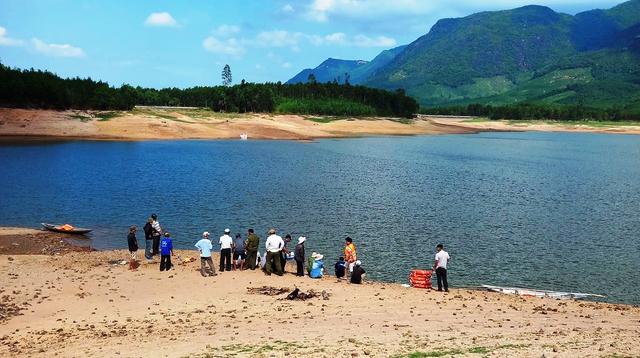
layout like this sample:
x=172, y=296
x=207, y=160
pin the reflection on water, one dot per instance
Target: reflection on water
x=541, y=210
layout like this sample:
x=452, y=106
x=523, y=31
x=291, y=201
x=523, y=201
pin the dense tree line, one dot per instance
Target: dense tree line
x=43, y=89
x=538, y=111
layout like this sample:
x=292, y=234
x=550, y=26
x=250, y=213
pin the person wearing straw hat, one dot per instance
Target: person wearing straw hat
x=317, y=269
x=298, y=255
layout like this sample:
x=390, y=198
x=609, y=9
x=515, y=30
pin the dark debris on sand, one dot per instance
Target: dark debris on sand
x=41, y=243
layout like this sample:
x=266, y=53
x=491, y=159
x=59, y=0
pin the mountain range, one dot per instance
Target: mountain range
x=528, y=54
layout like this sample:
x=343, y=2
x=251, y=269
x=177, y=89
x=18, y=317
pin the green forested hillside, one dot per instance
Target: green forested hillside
x=529, y=54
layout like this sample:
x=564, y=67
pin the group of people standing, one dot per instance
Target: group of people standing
x=239, y=253
x=273, y=261
x=154, y=244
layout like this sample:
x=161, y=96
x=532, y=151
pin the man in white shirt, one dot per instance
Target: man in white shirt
x=440, y=267
x=273, y=245
x=204, y=245
x=225, y=251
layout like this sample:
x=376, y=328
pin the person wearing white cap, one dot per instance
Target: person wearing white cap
x=358, y=273
x=205, y=246
x=298, y=255
x=317, y=268
x=225, y=251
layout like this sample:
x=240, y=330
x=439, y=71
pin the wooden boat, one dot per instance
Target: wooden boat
x=526, y=292
x=66, y=228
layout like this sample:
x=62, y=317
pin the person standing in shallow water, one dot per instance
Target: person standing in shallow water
x=440, y=267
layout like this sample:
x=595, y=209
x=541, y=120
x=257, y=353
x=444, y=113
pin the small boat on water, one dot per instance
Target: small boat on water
x=66, y=228
x=527, y=292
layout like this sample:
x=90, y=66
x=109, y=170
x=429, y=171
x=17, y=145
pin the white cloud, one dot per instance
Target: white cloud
x=287, y=8
x=6, y=41
x=225, y=30
x=287, y=65
x=380, y=41
x=281, y=38
x=56, y=50
x=161, y=19
x=230, y=47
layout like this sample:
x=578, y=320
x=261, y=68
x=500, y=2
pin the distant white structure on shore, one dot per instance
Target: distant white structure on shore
x=243, y=136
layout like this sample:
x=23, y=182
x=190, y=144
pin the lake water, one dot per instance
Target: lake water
x=554, y=211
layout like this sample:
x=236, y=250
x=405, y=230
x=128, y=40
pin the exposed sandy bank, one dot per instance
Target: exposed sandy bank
x=84, y=304
x=146, y=124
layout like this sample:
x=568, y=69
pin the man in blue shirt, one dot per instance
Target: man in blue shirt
x=166, y=251
x=317, y=268
x=205, y=246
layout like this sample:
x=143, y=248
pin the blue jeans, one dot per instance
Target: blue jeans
x=147, y=248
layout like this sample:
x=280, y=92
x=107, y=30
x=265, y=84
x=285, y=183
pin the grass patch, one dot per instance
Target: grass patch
x=435, y=353
x=597, y=124
x=82, y=118
x=509, y=346
x=322, y=119
x=479, y=350
x=107, y=116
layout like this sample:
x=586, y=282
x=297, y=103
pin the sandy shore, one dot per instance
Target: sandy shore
x=154, y=123
x=85, y=304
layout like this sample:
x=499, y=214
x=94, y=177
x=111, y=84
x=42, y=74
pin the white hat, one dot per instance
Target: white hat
x=319, y=257
x=227, y=231
x=206, y=233
x=314, y=255
x=358, y=263
x=301, y=239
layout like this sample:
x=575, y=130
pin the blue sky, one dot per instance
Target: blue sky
x=184, y=44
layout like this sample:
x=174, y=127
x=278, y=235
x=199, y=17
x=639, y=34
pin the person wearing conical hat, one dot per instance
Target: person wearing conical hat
x=298, y=255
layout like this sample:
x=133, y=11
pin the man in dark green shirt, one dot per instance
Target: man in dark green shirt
x=253, y=241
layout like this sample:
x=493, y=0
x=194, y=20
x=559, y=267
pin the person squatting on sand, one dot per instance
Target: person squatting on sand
x=273, y=245
x=238, y=252
x=205, y=246
x=341, y=269
x=252, y=244
x=166, y=251
x=225, y=251
x=298, y=255
x=133, y=247
x=350, y=254
x=317, y=268
x=440, y=267
x=358, y=274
